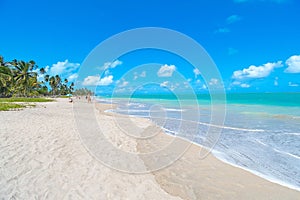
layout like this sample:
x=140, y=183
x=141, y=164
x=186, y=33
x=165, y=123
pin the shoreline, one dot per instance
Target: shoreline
x=214, y=153
x=270, y=179
x=224, y=161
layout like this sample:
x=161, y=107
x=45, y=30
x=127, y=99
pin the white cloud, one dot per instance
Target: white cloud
x=107, y=72
x=61, y=68
x=293, y=84
x=167, y=84
x=245, y=85
x=91, y=81
x=213, y=81
x=256, y=71
x=142, y=75
x=236, y=83
x=115, y=63
x=65, y=69
x=166, y=71
x=111, y=65
x=186, y=84
x=198, y=81
x=196, y=72
x=73, y=77
x=276, y=81
x=232, y=19
x=164, y=84
x=173, y=87
x=106, y=80
x=293, y=64
x=204, y=87
x=95, y=80
x=135, y=75
x=123, y=84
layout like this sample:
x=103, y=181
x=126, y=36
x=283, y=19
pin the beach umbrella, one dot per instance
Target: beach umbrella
x=69, y=95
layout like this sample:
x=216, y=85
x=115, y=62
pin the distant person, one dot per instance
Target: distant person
x=89, y=99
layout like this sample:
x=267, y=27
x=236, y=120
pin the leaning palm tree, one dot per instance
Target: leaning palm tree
x=23, y=72
x=33, y=86
x=6, y=78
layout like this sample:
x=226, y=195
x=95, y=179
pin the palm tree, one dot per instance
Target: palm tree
x=58, y=80
x=71, y=87
x=33, y=86
x=6, y=78
x=42, y=71
x=21, y=78
x=23, y=73
x=52, y=84
x=46, y=78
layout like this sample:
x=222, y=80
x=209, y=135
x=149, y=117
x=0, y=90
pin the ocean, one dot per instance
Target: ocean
x=261, y=131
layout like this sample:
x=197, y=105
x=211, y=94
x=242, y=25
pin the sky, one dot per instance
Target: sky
x=254, y=44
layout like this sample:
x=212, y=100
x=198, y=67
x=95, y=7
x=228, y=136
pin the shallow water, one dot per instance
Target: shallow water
x=261, y=137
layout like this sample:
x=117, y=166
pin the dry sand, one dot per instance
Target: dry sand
x=42, y=157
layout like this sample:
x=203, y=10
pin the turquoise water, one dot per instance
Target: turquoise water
x=272, y=99
x=261, y=131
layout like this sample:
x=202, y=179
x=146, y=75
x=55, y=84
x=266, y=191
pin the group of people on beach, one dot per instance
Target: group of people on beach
x=88, y=98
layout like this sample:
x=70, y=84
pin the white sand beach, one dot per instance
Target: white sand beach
x=42, y=157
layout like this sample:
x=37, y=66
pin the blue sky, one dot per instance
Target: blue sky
x=254, y=43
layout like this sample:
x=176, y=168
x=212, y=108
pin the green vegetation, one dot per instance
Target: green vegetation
x=65, y=97
x=10, y=106
x=20, y=79
x=7, y=104
x=23, y=99
x=83, y=92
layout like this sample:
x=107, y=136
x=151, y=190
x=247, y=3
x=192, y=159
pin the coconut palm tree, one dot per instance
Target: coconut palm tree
x=71, y=88
x=42, y=71
x=23, y=72
x=6, y=78
x=46, y=78
x=52, y=83
x=58, y=80
x=21, y=78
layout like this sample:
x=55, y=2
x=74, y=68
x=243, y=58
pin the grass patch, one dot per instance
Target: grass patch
x=10, y=106
x=64, y=97
x=24, y=99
